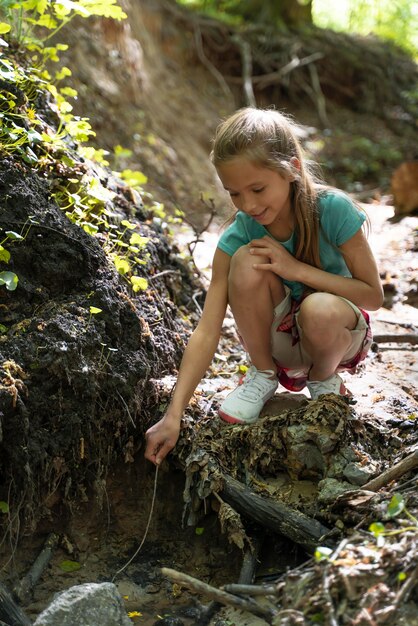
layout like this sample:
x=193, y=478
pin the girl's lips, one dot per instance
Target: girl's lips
x=259, y=216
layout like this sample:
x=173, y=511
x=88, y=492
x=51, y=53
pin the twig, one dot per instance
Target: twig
x=393, y=473
x=146, y=529
x=126, y=407
x=216, y=594
x=163, y=273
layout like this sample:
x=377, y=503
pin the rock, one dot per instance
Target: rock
x=356, y=474
x=91, y=604
x=330, y=489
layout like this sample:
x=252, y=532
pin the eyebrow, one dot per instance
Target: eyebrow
x=254, y=184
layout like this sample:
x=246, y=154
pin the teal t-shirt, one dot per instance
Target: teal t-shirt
x=339, y=220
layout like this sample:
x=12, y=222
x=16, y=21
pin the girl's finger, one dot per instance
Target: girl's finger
x=262, y=266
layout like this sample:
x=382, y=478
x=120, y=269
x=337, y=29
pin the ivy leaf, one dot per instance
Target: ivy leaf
x=4, y=507
x=139, y=283
x=377, y=528
x=396, y=505
x=4, y=255
x=9, y=279
x=70, y=566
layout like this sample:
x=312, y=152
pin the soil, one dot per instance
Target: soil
x=100, y=497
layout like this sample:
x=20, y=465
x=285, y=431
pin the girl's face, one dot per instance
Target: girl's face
x=257, y=191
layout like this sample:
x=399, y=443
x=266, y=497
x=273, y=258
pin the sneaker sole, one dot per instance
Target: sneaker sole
x=235, y=420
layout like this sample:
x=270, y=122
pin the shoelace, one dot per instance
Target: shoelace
x=260, y=381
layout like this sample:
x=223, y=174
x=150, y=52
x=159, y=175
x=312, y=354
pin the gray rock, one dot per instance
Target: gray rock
x=91, y=604
x=356, y=474
x=330, y=489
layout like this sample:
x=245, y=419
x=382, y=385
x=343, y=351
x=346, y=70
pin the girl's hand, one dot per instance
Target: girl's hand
x=281, y=263
x=161, y=439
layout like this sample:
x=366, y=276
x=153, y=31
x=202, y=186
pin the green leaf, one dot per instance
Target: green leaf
x=128, y=224
x=4, y=255
x=9, y=279
x=199, y=531
x=4, y=28
x=122, y=265
x=396, y=505
x=377, y=528
x=401, y=576
x=322, y=553
x=138, y=283
x=91, y=229
x=70, y=566
x=138, y=240
x=4, y=507
x=94, y=310
x=14, y=236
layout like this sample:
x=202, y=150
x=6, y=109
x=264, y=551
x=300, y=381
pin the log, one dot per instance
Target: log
x=24, y=588
x=393, y=473
x=216, y=594
x=276, y=516
x=11, y=613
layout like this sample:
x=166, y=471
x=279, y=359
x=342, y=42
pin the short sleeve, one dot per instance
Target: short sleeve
x=242, y=230
x=340, y=218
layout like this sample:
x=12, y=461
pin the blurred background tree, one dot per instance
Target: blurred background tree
x=395, y=20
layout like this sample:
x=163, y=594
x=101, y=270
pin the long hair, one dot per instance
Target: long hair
x=270, y=139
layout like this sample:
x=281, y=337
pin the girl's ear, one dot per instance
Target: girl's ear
x=295, y=163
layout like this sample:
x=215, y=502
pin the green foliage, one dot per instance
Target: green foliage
x=36, y=21
x=394, y=508
x=24, y=133
x=395, y=20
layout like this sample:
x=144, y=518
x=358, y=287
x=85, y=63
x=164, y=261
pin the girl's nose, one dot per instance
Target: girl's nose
x=248, y=205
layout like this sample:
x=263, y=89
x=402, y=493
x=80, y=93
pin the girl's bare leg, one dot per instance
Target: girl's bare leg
x=253, y=295
x=326, y=321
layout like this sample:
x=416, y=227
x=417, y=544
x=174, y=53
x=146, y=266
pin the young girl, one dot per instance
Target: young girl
x=295, y=268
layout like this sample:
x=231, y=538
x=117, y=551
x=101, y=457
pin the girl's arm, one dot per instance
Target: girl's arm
x=364, y=288
x=162, y=437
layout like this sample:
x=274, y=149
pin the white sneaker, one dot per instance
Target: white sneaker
x=243, y=405
x=333, y=384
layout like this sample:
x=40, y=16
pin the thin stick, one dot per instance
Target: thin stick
x=393, y=473
x=146, y=529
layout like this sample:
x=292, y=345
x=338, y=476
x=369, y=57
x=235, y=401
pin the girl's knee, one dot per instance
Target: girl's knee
x=242, y=273
x=320, y=312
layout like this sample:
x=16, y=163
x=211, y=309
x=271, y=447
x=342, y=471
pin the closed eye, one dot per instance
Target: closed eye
x=259, y=190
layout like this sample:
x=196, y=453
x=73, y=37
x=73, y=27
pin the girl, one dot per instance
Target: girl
x=295, y=268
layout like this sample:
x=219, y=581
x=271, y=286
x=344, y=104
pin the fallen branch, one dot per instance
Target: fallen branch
x=274, y=515
x=10, y=612
x=406, y=338
x=216, y=594
x=393, y=473
x=24, y=588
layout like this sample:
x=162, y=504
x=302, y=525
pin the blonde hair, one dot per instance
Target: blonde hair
x=270, y=139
